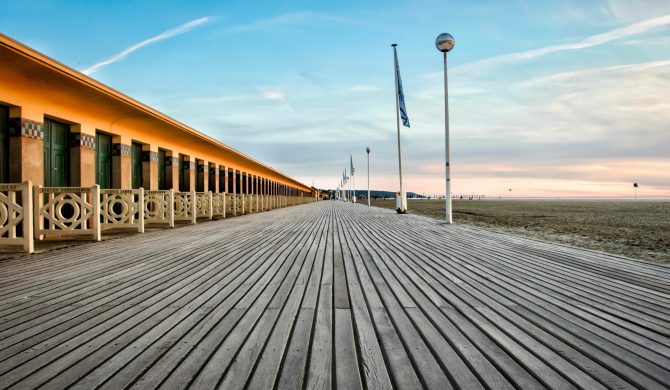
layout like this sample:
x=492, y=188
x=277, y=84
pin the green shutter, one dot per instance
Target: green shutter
x=103, y=160
x=136, y=164
x=4, y=144
x=56, y=159
x=182, y=169
x=162, y=179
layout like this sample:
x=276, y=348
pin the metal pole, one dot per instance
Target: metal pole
x=353, y=184
x=397, y=119
x=368, y=177
x=446, y=143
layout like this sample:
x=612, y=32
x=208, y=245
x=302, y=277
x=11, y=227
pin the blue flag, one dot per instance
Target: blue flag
x=401, y=95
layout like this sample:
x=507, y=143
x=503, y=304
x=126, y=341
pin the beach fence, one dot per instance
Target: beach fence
x=29, y=213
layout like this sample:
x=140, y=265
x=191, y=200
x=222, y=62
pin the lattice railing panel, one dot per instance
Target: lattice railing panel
x=16, y=222
x=122, y=209
x=230, y=204
x=184, y=206
x=159, y=207
x=67, y=211
x=248, y=204
x=219, y=205
x=203, y=204
x=239, y=204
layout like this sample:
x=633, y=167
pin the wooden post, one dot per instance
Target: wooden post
x=27, y=199
x=140, y=203
x=171, y=206
x=96, y=212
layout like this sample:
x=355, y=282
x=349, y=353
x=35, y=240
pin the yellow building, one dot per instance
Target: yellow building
x=61, y=128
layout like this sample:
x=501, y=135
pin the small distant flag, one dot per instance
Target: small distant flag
x=401, y=95
x=351, y=164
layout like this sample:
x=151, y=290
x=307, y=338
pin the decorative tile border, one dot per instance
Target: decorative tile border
x=28, y=128
x=83, y=140
x=121, y=150
x=150, y=156
x=171, y=161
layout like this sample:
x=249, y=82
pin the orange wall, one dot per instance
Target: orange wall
x=42, y=87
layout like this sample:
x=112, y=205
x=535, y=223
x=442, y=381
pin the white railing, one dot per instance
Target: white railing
x=67, y=211
x=219, y=205
x=184, y=207
x=230, y=205
x=239, y=204
x=249, y=204
x=122, y=209
x=16, y=223
x=203, y=204
x=159, y=207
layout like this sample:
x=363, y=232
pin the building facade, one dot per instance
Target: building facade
x=61, y=128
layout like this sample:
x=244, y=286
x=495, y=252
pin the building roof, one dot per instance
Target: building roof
x=89, y=82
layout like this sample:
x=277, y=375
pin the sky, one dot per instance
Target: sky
x=547, y=98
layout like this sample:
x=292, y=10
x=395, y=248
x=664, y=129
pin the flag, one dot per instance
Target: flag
x=351, y=164
x=401, y=95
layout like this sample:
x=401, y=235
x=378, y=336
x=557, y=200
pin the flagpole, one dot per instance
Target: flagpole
x=397, y=122
x=353, y=182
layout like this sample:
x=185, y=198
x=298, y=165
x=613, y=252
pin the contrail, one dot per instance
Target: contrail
x=594, y=40
x=160, y=37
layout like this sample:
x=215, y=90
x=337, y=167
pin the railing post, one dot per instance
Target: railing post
x=243, y=203
x=27, y=200
x=96, y=212
x=224, y=196
x=140, y=203
x=37, y=213
x=194, y=217
x=171, y=206
x=211, y=205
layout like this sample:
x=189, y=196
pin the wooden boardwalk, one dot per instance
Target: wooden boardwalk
x=332, y=295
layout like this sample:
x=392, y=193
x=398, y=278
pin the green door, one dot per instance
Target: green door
x=136, y=164
x=183, y=166
x=103, y=160
x=162, y=177
x=56, y=161
x=4, y=144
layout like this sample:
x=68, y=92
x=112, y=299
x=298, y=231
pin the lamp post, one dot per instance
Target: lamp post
x=444, y=43
x=368, y=151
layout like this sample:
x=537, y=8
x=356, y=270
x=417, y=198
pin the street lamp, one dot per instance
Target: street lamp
x=444, y=43
x=368, y=151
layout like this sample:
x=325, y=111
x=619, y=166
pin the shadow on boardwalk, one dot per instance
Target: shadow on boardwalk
x=332, y=295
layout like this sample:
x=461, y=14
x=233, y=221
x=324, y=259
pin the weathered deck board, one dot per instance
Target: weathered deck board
x=332, y=295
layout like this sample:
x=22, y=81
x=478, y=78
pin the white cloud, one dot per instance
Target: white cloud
x=288, y=19
x=632, y=10
x=160, y=37
x=217, y=99
x=596, y=72
x=594, y=40
x=272, y=94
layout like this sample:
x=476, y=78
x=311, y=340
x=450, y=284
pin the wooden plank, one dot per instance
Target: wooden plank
x=332, y=295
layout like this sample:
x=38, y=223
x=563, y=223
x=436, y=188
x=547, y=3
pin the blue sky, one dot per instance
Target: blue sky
x=550, y=98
